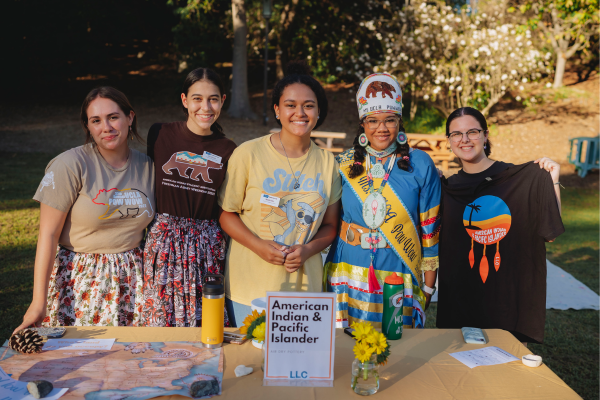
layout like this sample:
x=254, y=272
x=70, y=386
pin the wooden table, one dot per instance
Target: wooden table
x=328, y=136
x=420, y=367
x=434, y=145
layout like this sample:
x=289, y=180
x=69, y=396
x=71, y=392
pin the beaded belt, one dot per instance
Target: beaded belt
x=350, y=233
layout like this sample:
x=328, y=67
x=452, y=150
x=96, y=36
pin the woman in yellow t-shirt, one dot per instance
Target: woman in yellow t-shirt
x=280, y=200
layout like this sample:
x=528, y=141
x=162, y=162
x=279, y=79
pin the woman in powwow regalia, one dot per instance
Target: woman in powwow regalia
x=390, y=221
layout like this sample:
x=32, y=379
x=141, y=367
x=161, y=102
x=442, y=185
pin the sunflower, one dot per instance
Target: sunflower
x=378, y=341
x=259, y=332
x=249, y=319
x=362, y=351
x=361, y=330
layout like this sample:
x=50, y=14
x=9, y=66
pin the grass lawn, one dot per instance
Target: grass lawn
x=571, y=348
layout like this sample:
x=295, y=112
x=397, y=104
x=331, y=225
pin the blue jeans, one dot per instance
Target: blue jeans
x=237, y=312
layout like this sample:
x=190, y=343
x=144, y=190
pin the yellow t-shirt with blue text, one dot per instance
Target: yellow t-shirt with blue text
x=256, y=169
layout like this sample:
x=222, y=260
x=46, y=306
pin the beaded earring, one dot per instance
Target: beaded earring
x=401, y=138
x=362, y=140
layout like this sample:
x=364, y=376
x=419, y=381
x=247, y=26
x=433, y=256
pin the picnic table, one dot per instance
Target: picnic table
x=435, y=146
x=328, y=136
x=420, y=367
x=584, y=153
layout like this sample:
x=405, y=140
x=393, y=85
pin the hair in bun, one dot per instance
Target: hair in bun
x=299, y=72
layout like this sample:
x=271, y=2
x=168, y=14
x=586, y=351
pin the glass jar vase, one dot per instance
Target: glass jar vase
x=365, y=376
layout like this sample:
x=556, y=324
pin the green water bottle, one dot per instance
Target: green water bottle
x=393, y=299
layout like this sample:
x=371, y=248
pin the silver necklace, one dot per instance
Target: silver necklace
x=297, y=184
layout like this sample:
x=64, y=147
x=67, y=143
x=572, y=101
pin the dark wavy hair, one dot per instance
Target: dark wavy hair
x=108, y=92
x=459, y=112
x=360, y=153
x=298, y=72
x=204, y=74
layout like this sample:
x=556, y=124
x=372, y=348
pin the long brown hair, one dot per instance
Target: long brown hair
x=107, y=92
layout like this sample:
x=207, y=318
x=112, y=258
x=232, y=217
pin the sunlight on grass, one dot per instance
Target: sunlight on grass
x=18, y=238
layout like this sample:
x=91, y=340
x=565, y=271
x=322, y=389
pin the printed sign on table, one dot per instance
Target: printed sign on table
x=299, y=339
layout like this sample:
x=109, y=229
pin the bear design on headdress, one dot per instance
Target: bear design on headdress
x=378, y=86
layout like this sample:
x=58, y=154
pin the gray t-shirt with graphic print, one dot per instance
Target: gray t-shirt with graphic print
x=108, y=208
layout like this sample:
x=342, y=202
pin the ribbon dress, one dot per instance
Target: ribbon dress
x=410, y=228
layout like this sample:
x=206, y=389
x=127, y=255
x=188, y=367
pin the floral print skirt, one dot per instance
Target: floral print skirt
x=88, y=289
x=179, y=252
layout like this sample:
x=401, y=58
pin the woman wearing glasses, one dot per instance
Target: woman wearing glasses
x=390, y=222
x=496, y=220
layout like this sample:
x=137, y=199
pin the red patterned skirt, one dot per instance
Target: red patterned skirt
x=179, y=252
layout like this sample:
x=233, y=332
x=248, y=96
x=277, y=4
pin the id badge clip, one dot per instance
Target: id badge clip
x=376, y=239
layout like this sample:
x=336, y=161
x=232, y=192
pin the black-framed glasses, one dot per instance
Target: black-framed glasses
x=372, y=123
x=472, y=134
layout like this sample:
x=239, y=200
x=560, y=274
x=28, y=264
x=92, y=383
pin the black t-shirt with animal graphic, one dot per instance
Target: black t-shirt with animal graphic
x=189, y=169
x=492, y=249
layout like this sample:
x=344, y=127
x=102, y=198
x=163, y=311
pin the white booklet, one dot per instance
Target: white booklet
x=78, y=344
x=484, y=356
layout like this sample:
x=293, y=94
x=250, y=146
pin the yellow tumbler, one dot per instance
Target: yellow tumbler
x=213, y=314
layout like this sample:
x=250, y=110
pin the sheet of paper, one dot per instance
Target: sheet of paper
x=78, y=344
x=11, y=389
x=485, y=356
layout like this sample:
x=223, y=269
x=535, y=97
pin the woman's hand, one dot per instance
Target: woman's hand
x=427, y=300
x=271, y=252
x=297, y=256
x=51, y=224
x=33, y=317
x=551, y=166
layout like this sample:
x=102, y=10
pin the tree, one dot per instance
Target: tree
x=567, y=25
x=240, y=101
x=331, y=35
x=212, y=21
x=452, y=59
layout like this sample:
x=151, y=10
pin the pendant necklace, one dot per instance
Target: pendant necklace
x=377, y=171
x=374, y=212
x=296, y=179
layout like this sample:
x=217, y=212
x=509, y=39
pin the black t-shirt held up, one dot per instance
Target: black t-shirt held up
x=189, y=170
x=492, y=249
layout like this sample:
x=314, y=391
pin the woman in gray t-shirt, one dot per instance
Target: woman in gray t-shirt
x=96, y=200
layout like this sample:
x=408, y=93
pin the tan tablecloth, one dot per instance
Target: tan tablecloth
x=419, y=367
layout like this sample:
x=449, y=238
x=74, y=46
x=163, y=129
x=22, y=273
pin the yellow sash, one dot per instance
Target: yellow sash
x=398, y=227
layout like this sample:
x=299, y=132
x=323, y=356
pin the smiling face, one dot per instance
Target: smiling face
x=204, y=103
x=381, y=137
x=298, y=109
x=108, y=124
x=469, y=150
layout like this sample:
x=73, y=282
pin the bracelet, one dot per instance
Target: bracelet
x=558, y=183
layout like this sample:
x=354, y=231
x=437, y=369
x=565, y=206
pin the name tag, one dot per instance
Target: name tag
x=212, y=157
x=269, y=200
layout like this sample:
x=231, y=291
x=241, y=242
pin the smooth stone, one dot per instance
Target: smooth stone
x=242, y=370
x=39, y=389
x=204, y=388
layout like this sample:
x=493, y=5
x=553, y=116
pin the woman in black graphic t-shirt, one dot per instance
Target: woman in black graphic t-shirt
x=496, y=218
x=186, y=242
